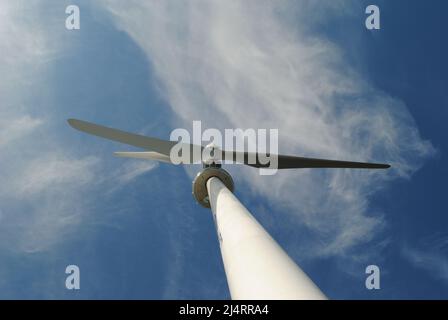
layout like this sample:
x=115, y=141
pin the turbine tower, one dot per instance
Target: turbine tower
x=256, y=266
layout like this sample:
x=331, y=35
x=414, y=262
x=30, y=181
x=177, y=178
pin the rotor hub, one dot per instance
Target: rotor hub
x=200, y=192
x=211, y=155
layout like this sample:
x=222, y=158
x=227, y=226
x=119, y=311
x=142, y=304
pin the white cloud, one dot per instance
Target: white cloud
x=133, y=169
x=35, y=190
x=430, y=255
x=434, y=263
x=43, y=200
x=21, y=33
x=12, y=129
x=52, y=172
x=250, y=64
x=46, y=190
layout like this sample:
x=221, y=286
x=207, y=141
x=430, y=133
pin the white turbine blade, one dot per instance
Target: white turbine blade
x=294, y=162
x=150, y=155
x=132, y=139
x=159, y=146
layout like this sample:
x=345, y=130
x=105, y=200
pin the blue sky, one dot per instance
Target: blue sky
x=308, y=68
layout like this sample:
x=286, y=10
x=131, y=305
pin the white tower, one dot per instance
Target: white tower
x=256, y=266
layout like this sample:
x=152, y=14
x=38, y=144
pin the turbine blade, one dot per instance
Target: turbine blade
x=293, y=162
x=162, y=147
x=150, y=155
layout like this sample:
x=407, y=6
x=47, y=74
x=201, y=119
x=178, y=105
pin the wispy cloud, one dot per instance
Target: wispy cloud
x=435, y=263
x=253, y=64
x=12, y=129
x=134, y=169
x=41, y=201
x=430, y=255
x=46, y=189
x=50, y=172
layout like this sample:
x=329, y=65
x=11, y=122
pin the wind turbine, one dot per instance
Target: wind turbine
x=256, y=266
